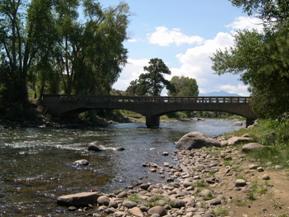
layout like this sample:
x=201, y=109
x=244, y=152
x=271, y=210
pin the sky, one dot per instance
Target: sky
x=184, y=34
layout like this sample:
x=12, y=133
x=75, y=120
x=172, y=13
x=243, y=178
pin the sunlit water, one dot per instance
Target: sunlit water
x=37, y=164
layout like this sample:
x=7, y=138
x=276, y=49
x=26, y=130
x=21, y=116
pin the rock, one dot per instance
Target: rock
x=136, y=212
x=161, y=211
x=155, y=215
x=72, y=208
x=215, y=202
x=195, y=140
x=176, y=203
x=237, y=140
x=240, y=183
x=206, y=193
x=103, y=200
x=119, y=214
x=252, y=147
x=260, y=169
x=81, y=162
x=129, y=204
x=122, y=194
x=145, y=186
x=120, y=149
x=253, y=166
x=113, y=203
x=278, y=167
x=79, y=199
x=93, y=147
x=266, y=177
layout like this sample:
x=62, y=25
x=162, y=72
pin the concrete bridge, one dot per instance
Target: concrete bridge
x=150, y=107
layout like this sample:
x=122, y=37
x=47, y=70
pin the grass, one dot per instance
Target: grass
x=221, y=211
x=228, y=162
x=274, y=135
x=155, y=200
x=241, y=202
x=135, y=198
x=200, y=184
x=256, y=190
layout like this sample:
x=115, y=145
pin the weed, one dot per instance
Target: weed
x=221, y=211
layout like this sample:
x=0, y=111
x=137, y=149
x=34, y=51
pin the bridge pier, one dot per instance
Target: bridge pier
x=153, y=121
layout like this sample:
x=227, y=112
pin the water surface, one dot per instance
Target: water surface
x=37, y=164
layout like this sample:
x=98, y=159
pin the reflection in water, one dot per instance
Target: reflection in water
x=36, y=164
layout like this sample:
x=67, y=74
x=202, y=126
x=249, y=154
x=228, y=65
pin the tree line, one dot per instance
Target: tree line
x=153, y=81
x=59, y=46
x=262, y=58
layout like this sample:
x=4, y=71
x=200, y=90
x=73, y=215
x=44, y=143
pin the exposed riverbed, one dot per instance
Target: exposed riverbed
x=37, y=164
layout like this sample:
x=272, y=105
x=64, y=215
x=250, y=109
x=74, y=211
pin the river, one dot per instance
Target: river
x=37, y=164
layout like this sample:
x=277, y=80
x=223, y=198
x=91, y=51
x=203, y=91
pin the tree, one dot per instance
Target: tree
x=21, y=41
x=183, y=86
x=270, y=11
x=153, y=82
x=261, y=58
x=89, y=56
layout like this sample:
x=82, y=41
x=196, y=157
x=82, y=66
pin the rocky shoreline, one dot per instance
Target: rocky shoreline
x=216, y=180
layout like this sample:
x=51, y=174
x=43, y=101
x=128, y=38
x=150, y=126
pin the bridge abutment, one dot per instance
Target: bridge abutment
x=153, y=121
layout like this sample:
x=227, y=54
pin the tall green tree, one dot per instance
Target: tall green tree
x=261, y=58
x=22, y=38
x=184, y=86
x=89, y=55
x=153, y=82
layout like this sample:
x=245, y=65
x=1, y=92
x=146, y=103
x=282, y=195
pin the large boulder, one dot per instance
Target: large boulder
x=78, y=200
x=252, y=147
x=195, y=140
x=239, y=139
x=94, y=147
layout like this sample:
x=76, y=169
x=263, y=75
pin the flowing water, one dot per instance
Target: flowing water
x=37, y=164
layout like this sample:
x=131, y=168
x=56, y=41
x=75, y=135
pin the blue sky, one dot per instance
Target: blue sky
x=184, y=33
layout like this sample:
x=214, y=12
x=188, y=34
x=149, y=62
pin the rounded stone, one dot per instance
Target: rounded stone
x=266, y=177
x=240, y=183
x=103, y=200
x=82, y=162
x=176, y=203
x=129, y=204
x=161, y=211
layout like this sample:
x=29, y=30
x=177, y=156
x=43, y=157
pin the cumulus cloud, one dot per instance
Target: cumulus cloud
x=246, y=23
x=164, y=36
x=131, y=71
x=196, y=63
x=239, y=89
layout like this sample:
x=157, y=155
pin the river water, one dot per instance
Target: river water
x=37, y=164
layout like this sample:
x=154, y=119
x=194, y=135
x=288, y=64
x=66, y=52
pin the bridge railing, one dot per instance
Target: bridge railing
x=145, y=99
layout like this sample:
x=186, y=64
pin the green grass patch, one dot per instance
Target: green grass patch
x=200, y=184
x=157, y=200
x=274, y=134
x=135, y=198
x=221, y=211
x=256, y=190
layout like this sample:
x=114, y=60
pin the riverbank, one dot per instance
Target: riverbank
x=212, y=181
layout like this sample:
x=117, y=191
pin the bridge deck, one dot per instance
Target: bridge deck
x=146, y=99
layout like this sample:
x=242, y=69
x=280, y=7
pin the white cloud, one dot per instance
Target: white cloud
x=196, y=63
x=239, y=89
x=246, y=23
x=131, y=71
x=164, y=36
